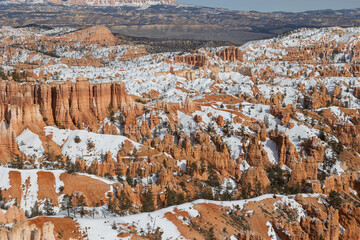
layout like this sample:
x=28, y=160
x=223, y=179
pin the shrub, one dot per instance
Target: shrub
x=90, y=144
x=77, y=139
x=335, y=200
x=322, y=135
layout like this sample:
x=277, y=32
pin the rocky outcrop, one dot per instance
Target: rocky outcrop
x=196, y=61
x=249, y=236
x=12, y=215
x=317, y=99
x=231, y=54
x=288, y=154
x=24, y=231
x=255, y=179
x=302, y=171
x=8, y=144
x=256, y=154
x=48, y=231
x=314, y=149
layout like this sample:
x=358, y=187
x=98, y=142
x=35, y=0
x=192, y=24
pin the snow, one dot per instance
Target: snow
x=153, y=220
x=287, y=201
x=100, y=228
x=337, y=169
x=4, y=178
x=187, y=122
x=182, y=164
x=272, y=152
x=234, y=145
x=98, y=178
x=58, y=182
x=30, y=144
x=30, y=191
x=229, y=185
x=271, y=232
x=103, y=143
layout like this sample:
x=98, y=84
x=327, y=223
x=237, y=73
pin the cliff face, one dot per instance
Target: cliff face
x=7, y=140
x=62, y=104
x=68, y=105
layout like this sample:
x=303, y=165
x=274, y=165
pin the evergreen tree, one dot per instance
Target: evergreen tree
x=180, y=198
x=125, y=202
x=258, y=188
x=245, y=192
x=67, y=204
x=148, y=202
x=266, y=121
x=16, y=161
x=70, y=166
x=82, y=204
x=110, y=206
x=94, y=205
x=171, y=197
x=119, y=173
x=2, y=200
x=322, y=135
x=129, y=180
x=35, y=210
x=49, y=208
x=113, y=225
x=335, y=199
x=214, y=180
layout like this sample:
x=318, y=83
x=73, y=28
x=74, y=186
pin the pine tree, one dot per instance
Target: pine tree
x=258, y=188
x=125, y=202
x=94, y=205
x=82, y=204
x=148, y=202
x=129, y=180
x=35, y=210
x=266, y=121
x=113, y=225
x=70, y=167
x=110, y=206
x=322, y=135
x=16, y=161
x=171, y=197
x=2, y=200
x=66, y=204
x=180, y=198
x=119, y=173
x=49, y=208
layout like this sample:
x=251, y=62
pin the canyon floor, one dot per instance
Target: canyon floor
x=101, y=138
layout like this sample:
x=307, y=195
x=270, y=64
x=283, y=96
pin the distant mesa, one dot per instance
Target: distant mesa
x=97, y=2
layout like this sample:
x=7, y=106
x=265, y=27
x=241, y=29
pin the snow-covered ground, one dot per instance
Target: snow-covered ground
x=30, y=144
x=101, y=228
x=81, y=144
